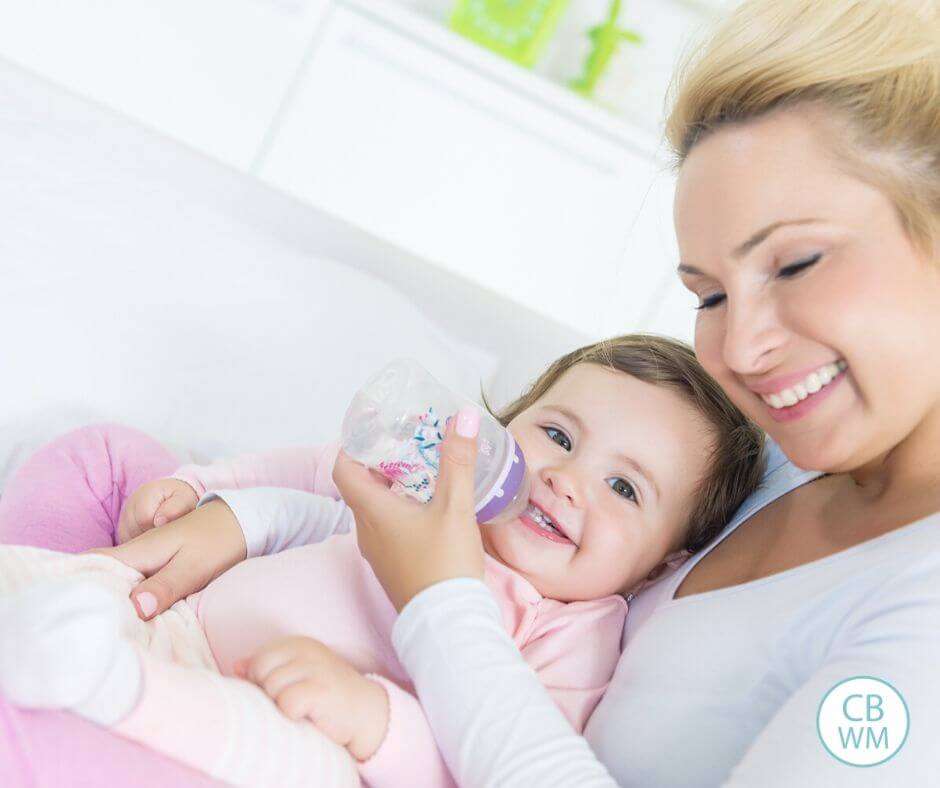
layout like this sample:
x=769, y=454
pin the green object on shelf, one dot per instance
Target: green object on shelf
x=605, y=40
x=517, y=29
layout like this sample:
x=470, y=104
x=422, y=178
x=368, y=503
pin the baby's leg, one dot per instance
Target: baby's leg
x=68, y=496
x=62, y=649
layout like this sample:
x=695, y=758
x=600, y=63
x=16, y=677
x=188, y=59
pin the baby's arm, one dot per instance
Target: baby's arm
x=162, y=501
x=228, y=526
x=308, y=468
x=273, y=519
x=381, y=725
x=230, y=730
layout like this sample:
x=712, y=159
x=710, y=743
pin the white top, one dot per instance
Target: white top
x=718, y=688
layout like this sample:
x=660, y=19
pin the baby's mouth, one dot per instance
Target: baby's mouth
x=545, y=523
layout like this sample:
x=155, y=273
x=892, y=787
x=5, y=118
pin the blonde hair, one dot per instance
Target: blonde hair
x=735, y=458
x=872, y=66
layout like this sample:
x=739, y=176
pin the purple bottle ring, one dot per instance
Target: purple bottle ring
x=504, y=490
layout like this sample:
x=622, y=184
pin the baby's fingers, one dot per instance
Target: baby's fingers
x=180, y=502
x=137, y=513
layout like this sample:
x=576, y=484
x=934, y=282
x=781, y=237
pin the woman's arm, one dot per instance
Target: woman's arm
x=494, y=721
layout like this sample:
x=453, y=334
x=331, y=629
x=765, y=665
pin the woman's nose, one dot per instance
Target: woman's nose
x=753, y=336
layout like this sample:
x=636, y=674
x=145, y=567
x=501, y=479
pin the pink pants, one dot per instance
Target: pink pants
x=68, y=497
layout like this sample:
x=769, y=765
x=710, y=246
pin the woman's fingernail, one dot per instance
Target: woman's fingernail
x=147, y=603
x=468, y=422
x=159, y=520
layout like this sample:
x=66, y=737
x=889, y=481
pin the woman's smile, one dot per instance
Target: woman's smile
x=791, y=397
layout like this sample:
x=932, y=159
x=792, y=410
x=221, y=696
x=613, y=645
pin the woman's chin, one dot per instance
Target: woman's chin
x=826, y=454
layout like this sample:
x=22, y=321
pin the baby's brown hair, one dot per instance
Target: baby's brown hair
x=736, y=460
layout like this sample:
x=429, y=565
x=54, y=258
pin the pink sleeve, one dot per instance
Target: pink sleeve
x=225, y=727
x=308, y=468
x=574, y=649
x=408, y=755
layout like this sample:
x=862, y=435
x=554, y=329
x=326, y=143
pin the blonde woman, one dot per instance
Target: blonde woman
x=808, y=215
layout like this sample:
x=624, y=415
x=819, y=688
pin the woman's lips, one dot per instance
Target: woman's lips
x=806, y=406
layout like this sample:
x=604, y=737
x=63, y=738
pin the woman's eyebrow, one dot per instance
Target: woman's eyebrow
x=750, y=244
x=762, y=235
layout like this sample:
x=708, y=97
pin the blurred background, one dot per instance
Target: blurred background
x=218, y=217
x=516, y=143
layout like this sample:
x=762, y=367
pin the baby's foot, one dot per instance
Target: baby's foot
x=61, y=648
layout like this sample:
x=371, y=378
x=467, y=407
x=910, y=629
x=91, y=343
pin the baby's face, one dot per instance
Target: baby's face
x=614, y=463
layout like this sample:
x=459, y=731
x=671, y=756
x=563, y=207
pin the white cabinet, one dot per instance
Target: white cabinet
x=517, y=192
x=211, y=73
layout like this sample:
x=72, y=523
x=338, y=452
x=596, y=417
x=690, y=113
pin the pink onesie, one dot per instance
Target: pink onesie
x=327, y=591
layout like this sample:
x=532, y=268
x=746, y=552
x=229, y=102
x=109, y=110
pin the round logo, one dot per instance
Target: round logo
x=863, y=721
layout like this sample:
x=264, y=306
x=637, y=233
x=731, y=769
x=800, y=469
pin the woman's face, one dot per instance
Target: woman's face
x=817, y=314
x=614, y=464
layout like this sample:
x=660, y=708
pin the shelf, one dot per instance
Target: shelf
x=629, y=101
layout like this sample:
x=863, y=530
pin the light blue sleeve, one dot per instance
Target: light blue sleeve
x=276, y=518
x=894, y=636
x=494, y=722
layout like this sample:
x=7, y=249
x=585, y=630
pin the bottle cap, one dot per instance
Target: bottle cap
x=506, y=487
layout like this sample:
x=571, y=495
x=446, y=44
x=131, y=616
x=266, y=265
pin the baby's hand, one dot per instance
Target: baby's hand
x=307, y=679
x=155, y=504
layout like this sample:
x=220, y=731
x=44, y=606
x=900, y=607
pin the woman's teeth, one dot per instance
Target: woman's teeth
x=812, y=383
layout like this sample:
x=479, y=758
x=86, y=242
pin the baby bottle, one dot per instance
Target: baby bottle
x=395, y=424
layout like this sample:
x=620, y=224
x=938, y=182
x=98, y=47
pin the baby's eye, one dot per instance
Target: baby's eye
x=623, y=488
x=559, y=437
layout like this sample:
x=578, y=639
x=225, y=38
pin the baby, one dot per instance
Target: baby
x=636, y=458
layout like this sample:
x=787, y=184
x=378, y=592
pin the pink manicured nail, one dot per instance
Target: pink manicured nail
x=468, y=422
x=147, y=603
x=159, y=520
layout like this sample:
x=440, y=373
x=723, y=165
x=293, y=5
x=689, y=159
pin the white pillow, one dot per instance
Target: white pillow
x=126, y=298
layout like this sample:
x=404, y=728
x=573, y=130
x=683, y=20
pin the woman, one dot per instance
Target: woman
x=807, y=210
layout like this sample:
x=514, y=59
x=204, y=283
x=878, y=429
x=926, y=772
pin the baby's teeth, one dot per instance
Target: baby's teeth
x=813, y=383
x=801, y=392
x=789, y=397
x=776, y=401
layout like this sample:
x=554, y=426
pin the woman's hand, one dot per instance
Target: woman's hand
x=308, y=680
x=154, y=504
x=412, y=546
x=182, y=557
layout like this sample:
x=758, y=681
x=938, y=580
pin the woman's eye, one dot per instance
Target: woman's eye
x=789, y=271
x=711, y=301
x=559, y=437
x=623, y=488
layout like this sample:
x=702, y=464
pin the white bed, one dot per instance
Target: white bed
x=145, y=284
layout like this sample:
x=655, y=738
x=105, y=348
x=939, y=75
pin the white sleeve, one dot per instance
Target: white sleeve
x=275, y=518
x=894, y=637
x=494, y=722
